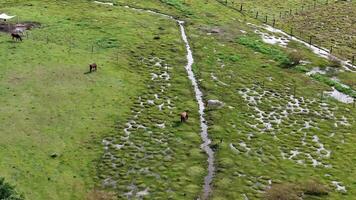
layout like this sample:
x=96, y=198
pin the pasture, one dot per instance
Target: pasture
x=116, y=133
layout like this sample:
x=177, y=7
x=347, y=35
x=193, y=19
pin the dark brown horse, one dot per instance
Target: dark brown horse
x=93, y=67
x=184, y=116
x=16, y=36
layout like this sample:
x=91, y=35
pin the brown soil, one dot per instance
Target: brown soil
x=8, y=27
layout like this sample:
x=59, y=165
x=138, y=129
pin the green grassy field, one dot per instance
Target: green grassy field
x=117, y=130
x=50, y=104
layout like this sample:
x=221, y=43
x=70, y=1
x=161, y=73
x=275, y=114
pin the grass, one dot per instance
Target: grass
x=330, y=26
x=335, y=84
x=52, y=107
x=329, y=23
x=7, y=191
x=177, y=4
x=263, y=48
x=281, y=9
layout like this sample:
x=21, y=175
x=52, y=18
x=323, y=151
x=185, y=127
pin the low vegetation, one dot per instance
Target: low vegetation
x=338, y=86
x=269, y=50
x=296, y=191
x=332, y=26
x=285, y=191
x=8, y=192
x=65, y=131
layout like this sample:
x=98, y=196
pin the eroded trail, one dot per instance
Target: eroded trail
x=199, y=98
x=204, y=126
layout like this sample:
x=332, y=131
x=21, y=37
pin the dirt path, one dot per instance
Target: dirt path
x=198, y=95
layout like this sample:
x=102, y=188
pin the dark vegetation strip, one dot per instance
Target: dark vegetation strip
x=261, y=47
x=339, y=87
x=8, y=192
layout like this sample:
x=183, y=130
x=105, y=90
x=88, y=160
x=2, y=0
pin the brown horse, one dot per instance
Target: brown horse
x=93, y=67
x=183, y=116
x=16, y=36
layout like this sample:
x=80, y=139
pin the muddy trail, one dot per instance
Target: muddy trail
x=132, y=125
x=8, y=27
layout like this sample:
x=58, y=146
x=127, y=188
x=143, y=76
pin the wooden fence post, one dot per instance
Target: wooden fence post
x=310, y=40
x=241, y=7
x=256, y=14
x=266, y=19
x=331, y=49
x=274, y=23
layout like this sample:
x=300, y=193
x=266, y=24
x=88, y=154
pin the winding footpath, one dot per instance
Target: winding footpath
x=204, y=126
x=198, y=95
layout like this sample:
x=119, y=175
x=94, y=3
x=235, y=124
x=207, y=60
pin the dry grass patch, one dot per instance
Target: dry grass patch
x=97, y=194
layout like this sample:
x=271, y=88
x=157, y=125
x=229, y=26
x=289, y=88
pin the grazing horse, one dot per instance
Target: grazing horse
x=92, y=67
x=183, y=117
x=16, y=36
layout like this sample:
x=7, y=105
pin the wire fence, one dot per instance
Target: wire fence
x=73, y=45
x=277, y=18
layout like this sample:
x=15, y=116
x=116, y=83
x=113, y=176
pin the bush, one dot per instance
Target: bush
x=8, y=192
x=285, y=191
x=315, y=188
x=294, y=59
x=302, y=69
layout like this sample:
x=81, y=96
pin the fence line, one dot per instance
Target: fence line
x=276, y=20
x=93, y=49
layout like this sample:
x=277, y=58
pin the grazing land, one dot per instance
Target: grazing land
x=332, y=26
x=280, y=117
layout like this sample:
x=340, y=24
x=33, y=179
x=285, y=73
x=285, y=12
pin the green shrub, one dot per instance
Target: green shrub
x=294, y=59
x=7, y=191
x=232, y=57
x=301, y=68
x=335, y=84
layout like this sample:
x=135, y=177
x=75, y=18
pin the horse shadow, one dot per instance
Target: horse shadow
x=12, y=42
